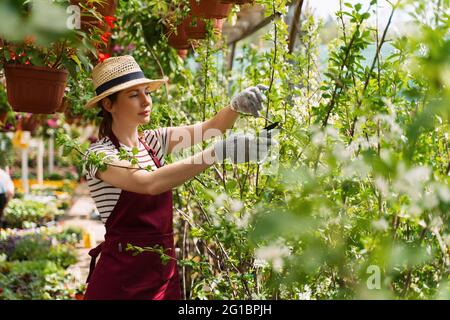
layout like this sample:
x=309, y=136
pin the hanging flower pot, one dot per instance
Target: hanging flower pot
x=196, y=27
x=62, y=107
x=239, y=2
x=210, y=8
x=178, y=39
x=35, y=89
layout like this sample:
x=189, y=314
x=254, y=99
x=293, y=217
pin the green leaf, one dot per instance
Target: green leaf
x=77, y=61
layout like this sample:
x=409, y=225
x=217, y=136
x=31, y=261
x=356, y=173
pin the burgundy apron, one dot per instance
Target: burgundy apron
x=142, y=220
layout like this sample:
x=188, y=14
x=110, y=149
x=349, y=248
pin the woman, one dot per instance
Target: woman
x=135, y=200
x=6, y=191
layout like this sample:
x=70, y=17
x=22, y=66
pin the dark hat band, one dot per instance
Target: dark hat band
x=119, y=80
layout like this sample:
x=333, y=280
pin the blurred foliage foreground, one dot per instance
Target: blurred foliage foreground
x=359, y=203
x=355, y=202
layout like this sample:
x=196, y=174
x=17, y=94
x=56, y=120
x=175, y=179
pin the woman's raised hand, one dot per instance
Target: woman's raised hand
x=250, y=100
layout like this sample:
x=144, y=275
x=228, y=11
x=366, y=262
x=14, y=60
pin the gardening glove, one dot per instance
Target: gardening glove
x=241, y=148
x=250, y=100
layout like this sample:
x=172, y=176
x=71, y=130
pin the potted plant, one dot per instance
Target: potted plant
x=240, y=2
x=174, y=27
x=178, y=39
x=210, y=8
x=195, y=27
x=35, y=89
x=36, y=73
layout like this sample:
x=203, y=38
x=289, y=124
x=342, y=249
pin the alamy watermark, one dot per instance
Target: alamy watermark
x=374, y=280
x=74, y=19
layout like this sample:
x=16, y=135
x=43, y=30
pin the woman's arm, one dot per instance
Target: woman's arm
x=160, y=180
x=186, y=136
x=238, y=148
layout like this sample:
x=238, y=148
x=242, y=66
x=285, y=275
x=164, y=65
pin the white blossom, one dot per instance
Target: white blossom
x=357, y=168
x=273, y=254
x=306, y=294
x=443, y=193
x=220, y=200
x=341, y=152
x=243, y=221
x=430, y=201
x=381, y=224
x=411, y=182
x=382, y=186
x=236, y=205
x=318, y=138
x=417, y=175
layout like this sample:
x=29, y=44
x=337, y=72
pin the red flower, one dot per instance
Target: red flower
x=110, y=21
x=103, y=56
x=105, y=37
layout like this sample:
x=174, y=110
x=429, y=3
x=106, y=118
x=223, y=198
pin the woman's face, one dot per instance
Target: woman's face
x=133, y=105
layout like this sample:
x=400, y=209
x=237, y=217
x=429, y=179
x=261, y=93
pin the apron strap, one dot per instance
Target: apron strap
x=150, y=151
x=94, y=254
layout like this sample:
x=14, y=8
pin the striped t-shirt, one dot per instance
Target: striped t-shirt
x=106, y=195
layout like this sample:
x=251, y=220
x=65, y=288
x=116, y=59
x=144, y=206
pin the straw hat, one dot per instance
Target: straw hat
x=116, y=74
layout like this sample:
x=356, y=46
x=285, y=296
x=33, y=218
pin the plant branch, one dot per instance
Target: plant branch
x=372, y=67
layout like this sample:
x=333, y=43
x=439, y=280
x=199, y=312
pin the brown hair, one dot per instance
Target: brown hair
x=106, y=124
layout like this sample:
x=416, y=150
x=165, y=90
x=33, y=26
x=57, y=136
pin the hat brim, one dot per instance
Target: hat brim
x=153, y=85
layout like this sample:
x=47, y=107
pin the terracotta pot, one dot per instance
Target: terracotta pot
x=63, y=106
x=210, y=8
x=240, y=2
x=196, y=27
x=35, y=89
x=178, y=39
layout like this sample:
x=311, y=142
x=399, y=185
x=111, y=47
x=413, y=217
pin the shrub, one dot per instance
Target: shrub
x=70, y=235
x=40, y=247
x=20, y=211
x=26, y=280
